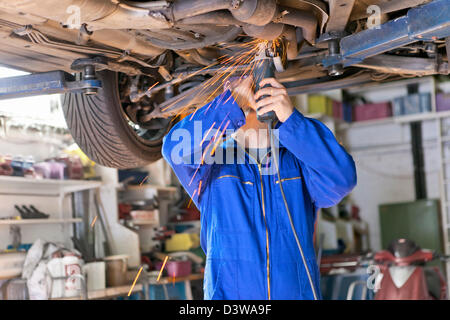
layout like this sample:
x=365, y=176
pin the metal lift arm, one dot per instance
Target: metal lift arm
x=428, y=22
x=44, y=83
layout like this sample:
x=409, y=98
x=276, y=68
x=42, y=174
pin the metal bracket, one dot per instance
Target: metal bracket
x=332, y=38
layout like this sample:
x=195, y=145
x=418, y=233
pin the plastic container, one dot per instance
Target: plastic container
x=150, y=217
x=182, y=242
x=372, y=111
x=11, y=264
x=116, y=270
x=95, y=275
x=442, y=102
x=338, y=112
x=176, y=268
x=347, y=112
x=412, y=104
x=320, y=104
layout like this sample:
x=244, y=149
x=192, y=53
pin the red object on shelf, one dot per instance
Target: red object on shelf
x=176, y=268
x=338, y=112
x=372, y=111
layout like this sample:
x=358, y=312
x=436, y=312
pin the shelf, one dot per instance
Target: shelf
x=169, y=280
x=144, y=222
x=397, y=119
x=43, y=187
x=39, y=221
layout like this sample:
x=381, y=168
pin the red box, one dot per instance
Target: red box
x=337, y=110
x=372, y=111
x=176, y=268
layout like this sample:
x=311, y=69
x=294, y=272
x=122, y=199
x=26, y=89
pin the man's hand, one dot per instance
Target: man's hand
x=277, y=100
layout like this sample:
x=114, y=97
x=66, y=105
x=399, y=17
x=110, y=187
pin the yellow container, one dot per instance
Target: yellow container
x=320, y=104
x=182, y=242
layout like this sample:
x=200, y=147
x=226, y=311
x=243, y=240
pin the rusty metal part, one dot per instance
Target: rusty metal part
x=291, y=42
x=194, y=56
x=182, y=9
x=256, y=12
x=269, y=31
x=221, y=34
x=305, y=20
x=391, y=64
x=99, y=14
x=340, y=11
x=219, y=18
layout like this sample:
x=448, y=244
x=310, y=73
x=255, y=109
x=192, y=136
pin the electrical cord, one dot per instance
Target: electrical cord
x=275, y=157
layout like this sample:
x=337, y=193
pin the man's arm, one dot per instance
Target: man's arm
x=186, y=144
x=329, y=171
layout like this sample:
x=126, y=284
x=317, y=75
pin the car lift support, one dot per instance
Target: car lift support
x=54, y=81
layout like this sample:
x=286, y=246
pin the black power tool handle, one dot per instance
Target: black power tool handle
x=264, y=69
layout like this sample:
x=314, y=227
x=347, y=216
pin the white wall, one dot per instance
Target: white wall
x=384, y=163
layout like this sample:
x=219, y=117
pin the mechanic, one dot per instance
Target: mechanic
x=245, y=230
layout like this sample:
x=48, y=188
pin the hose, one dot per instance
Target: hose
x=277, y=167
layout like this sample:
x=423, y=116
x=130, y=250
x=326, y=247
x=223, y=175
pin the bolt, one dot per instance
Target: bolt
x=333, y=50
x=89, y=74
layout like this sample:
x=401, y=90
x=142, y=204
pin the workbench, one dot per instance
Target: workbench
x=167, y=281
x=108, y=293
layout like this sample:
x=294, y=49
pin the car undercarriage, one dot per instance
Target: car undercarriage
x=158, y=60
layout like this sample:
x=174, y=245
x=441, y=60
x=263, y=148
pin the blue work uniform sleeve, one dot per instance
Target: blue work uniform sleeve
x=329, y=171
x=190, y=141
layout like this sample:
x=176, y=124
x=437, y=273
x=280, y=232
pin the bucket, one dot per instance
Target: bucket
x=95, y=275
x=116, y=270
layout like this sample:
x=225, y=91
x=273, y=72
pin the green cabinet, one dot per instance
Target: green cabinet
x=419, y=221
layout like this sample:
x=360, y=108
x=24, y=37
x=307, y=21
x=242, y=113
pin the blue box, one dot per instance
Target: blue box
x=412, y=104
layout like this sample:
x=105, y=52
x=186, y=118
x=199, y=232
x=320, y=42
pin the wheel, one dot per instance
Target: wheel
x=103, y=131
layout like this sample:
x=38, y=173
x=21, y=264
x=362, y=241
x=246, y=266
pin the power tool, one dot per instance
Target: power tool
x=264, y=68
x=266, y=60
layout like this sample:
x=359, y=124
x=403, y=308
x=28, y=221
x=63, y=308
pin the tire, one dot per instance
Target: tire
x=99, y=126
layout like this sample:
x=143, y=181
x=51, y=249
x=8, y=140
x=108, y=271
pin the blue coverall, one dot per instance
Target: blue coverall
x=250, y=249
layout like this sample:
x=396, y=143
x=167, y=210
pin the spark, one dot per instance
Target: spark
x=93, y=221
x=207, y=133
x=218, y=140
x=162, y=268
x=190, y=201
x=143, y=181
x=199, y=186
x=134, y=282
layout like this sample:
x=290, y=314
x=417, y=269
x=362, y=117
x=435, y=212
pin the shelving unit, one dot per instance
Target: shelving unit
x=51, y=196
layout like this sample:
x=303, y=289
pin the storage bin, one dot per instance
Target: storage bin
x=347, y=112
x=176, y=268
x=320, y=104
x=411, y=104
x=372, y=111
x=338, y=112
x=442, y=102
